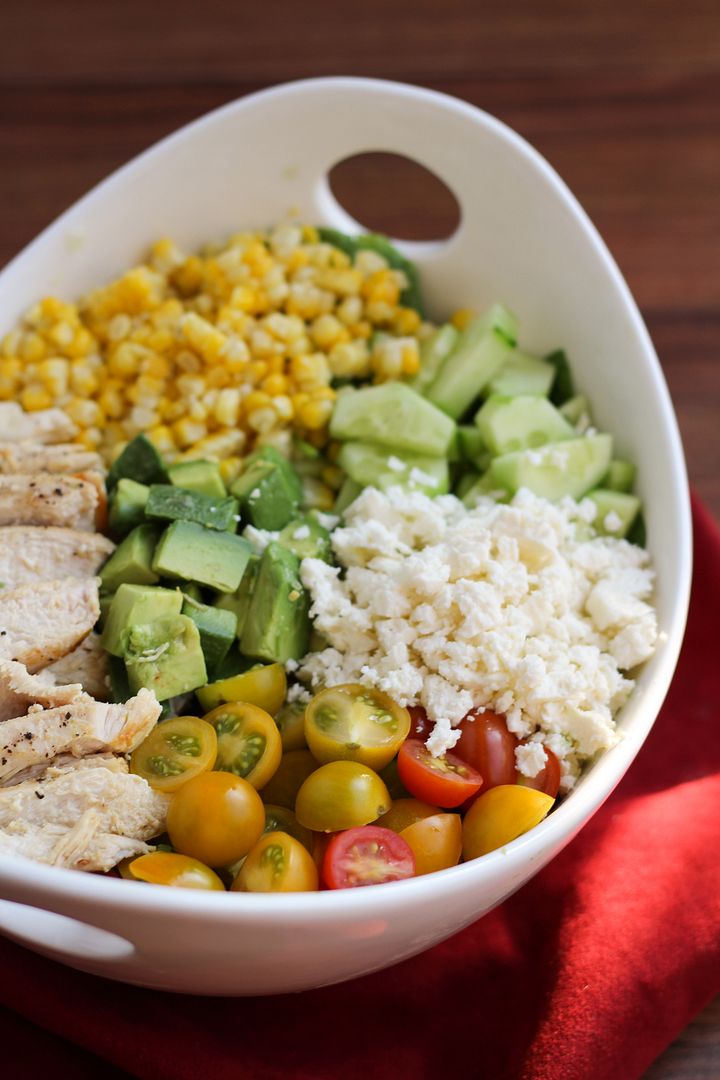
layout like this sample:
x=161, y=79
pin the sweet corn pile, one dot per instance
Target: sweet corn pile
x=211, y=353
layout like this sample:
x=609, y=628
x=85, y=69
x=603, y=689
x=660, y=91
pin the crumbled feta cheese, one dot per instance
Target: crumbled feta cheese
x=302, y=532
x=328, y=521
x=530, y=758
x=612, y=522
x=396, y=464
x=258, y=539
x=255, y=493
x=298, y=693
x=421, y=478
x=499, y=607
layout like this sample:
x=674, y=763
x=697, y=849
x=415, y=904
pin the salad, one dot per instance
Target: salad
x=300, y=590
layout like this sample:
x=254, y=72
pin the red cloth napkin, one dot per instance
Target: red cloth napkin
x=588, y=972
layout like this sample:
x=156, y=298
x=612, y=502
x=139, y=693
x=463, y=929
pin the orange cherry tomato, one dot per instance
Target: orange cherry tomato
x=548, y=779
x=501, y=815
x=277, y=863
x=445, y=781
x=487, y=745
x=436, y=842
x=404, y=812
x=216, y=817
x=169, y=868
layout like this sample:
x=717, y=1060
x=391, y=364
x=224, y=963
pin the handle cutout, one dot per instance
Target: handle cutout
x=395, y=195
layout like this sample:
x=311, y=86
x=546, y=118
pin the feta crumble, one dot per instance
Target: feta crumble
x=302, y=532
x=507, y=607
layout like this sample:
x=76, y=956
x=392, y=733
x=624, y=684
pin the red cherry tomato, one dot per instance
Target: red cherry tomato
x=368, y=855
x=548, y=779
x=441, y=781
x=487, y=745
x=420, y=723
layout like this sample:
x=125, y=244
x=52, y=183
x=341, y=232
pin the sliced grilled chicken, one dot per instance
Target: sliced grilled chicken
x=45, y=426
x=80, y=728
x=44, y=499
x=87, y=665
x=85, y=815
x=40, y=623
x=19, y=690
x=32, y=553
x=32, y=457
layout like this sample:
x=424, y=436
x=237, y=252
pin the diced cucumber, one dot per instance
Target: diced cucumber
x=562, y=387
x=466, y=482
x=307, y=539
x=168, y=503
x=433, y=351
x=217, y=628
x=190, y=552
x=131, y=561
x=488, y=486
x=620, y=476
x=127, y=506
x=576, y=411
x=239, y=602
x=139, y=461
x=370, y=465
x=477, y=357
x=522, y=374
x=393, y=415
x=519, y=423
x=616, y=511
x=277, y=627
x=568, y=468
x=472, y=447
x=203, y=477
x=347, y=494
x=134, y=604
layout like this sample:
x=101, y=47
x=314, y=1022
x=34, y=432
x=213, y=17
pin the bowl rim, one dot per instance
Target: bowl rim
x=46, y=886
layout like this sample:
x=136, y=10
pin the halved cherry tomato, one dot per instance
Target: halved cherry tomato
x=442, y=781
x=420, y=723
x=355, y=723
x=548, y=779
x=277, y=863
x=404, y=812
x=264, y=685
x=248, y=742
x=280, y=819
x=500, y=815
x=367, y=856
x=436, y=842
x=169, y=868
x=216, y=818
x=290, y=721
x=292, y=772
x=174, y=752
x=487, y=745
x=341, y=795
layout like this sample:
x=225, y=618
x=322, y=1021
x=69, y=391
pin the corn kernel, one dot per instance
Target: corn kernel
x=54, y=374
x=33, y=347
x=230, y=470
x=188, y=431
x=406, y=321
x=315, y=414
x=256, y=399
x=227, y=407
x=327, y=331
x=85, y=413
x=274, y=384
x=162, y=438
x=262, y=420
x=83, y=381
x=462, y=318
x=283, y=407
x=333, y=476
x=35, y=397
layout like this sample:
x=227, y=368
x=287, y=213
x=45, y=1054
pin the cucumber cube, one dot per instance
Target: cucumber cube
x=523, y=374
x=433, y=351
x=377, y=466
x=553, y=471
x=518, y=423
x=616, y=511
x=480, y=352
x=620, y=476
x=393, y=415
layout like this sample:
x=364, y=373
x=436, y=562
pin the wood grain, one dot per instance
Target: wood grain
x=623, y=98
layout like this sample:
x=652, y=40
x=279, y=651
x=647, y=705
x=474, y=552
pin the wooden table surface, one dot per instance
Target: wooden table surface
x=622, y=97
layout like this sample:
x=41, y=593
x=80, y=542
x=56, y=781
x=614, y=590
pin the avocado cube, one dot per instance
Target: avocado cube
x=269, y=490
x=127, y=506
x=168, y=503
x=307, y=539
x=165, y=656
x=135, y=604
x=217, y=628
x=190, y=552
x=105, y=600
x=239, y=602
x=277, y=627
x=203, y=477
x=131, y=562
x=139, y=461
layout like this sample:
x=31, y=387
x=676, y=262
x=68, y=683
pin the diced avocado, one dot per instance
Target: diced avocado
x=616, y=511
x=377, y=466
x=620, y=476
x=393, y=415
x=165, y=656
x=307, y=539
x=338, y=239
x=168, y=503
x=562, y=388
x=347, y=494
x=119, y=686
x=135, y=604
x=277, y=626
x=217, y=628
x=105, y=600
x=433, y=351
x=191, y=552
x=239, y=602
x=567, y=468
x=523, y=374
x=127, y=506
x=233, y=664
x=576, y=411
x=472, y=446
x=481, y=349
x=520, y=423
x=139, y=461
x=131, y=562
x=203, y=477
x=268, y=490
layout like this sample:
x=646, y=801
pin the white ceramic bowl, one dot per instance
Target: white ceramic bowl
x=523, y=239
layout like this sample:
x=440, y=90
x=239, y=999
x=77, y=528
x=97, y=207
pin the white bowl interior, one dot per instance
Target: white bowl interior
x=523, y=240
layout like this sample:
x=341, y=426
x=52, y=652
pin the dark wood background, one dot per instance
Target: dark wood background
x=622, y=96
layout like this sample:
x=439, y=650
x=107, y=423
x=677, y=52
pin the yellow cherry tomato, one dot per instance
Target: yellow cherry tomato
x=436, y=842
x=281, y=819
x=292, y=772
x=264, y=685
x=291, y=725
x=169, y=868
x=341, y=795
x=248, y=742
x=404, y=812
x=216, y=818
x=174, y=752
x=277, y=863
x=355, y=723
x=500, y=815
